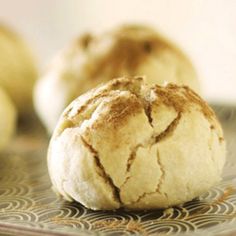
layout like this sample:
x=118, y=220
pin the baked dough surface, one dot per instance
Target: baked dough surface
x=126, y=144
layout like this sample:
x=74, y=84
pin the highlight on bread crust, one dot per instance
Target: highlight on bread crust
x=90, y=60
x=132, y=145
x=18, y=71
x=7, y=119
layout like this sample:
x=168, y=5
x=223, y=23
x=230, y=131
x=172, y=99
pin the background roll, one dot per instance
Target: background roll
x=128, y=50
x=18, y=71
x=7, y=119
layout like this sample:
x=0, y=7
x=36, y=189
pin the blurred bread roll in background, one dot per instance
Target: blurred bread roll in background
x=90, y=60
x=17, y=70
x=126, y=144
x=7, y=119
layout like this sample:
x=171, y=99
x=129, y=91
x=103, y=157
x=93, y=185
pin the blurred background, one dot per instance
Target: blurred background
x=204, y=29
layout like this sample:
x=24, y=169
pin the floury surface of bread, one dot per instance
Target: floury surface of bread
x=125, y=51
x=126, y=144
x=7, y=119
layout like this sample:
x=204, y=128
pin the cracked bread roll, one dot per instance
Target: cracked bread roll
x=17, y=70
x=7, y=119
x=126, y=51
x=127, y=144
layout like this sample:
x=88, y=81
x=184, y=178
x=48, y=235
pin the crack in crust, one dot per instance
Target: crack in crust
x=102, y=171
x=126, y=180
x=83, y=108
x=162, y=172
x=154, y=140
x=132, y=157
x=170, y=129
x=159, y=183
x=148, y=112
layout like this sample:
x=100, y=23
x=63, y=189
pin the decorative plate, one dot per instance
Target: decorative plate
x=28, y=206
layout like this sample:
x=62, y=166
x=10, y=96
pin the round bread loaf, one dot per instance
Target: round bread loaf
x=7, y=119
x=126, y=144
x=17, y=70
x=126, y=51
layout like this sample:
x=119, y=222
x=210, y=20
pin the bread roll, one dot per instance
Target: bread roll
x=125, y=51
x=126, y=144
x=17, y=70
x=7, y=119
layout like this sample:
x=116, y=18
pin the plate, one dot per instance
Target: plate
x=28, y=206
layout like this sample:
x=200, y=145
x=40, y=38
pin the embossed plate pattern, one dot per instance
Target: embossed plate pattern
x=29, y=207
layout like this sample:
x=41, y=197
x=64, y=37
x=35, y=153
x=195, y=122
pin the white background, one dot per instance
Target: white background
x=205, y=29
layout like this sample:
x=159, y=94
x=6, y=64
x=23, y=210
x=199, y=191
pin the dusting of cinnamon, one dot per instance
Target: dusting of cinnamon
x=131, y=47
x=181, y=98
x=212, y=127
x=122, y=108
x=91, y=100
x=134, y=226
x=119, y=110
x=171, y=97
x=195, y=98
x=227, y=192
x=85, y=40
x=221, y=139
x=108, y=224
x=132, y=84
x=115, y=224
x=123, y=84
